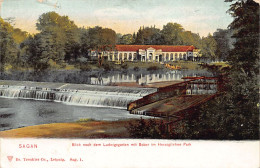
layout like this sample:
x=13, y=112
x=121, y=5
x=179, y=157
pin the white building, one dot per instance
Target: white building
x=151, y=53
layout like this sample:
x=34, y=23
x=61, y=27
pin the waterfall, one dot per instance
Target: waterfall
x=105, y=96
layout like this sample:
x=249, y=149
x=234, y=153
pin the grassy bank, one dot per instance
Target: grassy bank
x=112, y=66
x=149, y=66
x=80, y=129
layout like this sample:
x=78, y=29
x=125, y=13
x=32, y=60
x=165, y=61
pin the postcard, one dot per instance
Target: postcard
x=129, y=83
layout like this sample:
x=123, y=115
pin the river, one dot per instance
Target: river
x=16, y=112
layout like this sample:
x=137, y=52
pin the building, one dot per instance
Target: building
x=149, y=53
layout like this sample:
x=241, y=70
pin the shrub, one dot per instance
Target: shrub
x=84, y=67
x=52, y=64
x=124, y=66
x=152, y=68
x=136, y=68
x=107, y=67
x=147, y=129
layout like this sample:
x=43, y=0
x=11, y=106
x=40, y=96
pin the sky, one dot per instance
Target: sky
x=123, y=16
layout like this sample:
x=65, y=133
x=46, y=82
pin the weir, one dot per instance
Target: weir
x=174, y=100
x=74, y=94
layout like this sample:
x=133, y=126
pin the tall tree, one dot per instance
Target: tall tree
x=139, y=39
x=99, y=37
x=224, y=43
x=126, y=39
x=208, y=47
x=58, y=37
x=235, y=115
x=190, y=38
x=243, y=93
x=8, y=47
x=27, y=52
x=171, y=34
x=19, y=35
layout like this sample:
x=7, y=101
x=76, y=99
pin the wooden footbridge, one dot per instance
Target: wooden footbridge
x=174, y=100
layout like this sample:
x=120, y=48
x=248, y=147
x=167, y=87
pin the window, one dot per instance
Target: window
x=180, y=55
x=125, y=56
x=135, y=56
x=110, y=55
x=184, y=56
x=115, y=56
x=163, y=57
x=150, y=56
x=171, y=56
x=176, y=57
x=130, y=56
x=167, y=57
x=120, y=56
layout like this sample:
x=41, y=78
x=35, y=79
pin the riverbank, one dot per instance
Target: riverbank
x=90, y=129
x=102, y=77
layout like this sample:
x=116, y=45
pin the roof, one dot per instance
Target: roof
x=164, y=48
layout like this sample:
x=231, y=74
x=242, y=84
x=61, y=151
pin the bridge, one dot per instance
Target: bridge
x=174, y=101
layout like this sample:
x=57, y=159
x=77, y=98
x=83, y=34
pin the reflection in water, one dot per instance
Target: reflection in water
x=20, y=113
x=145, y=78
x=6, y=115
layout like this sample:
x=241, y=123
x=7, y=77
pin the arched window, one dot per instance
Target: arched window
x=130, y=56
x=120, y=56
x=135, y=56
x=184, y=56
x=116, y=56
x=110, y=55
x=180, y=56
x=176, y=57
x=163, y=57
x=167, y=57
x=171, y=56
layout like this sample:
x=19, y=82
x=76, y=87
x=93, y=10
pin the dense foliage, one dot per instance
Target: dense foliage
x=235, y=113
x=9, y=49
x=60, y=42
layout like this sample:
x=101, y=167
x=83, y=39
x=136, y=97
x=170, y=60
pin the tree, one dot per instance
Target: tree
x=224, y=43
x=126, y=39
x=27, y=52
x=58, y=39
x=190, y=38
x=19, y=35
x=151, y=35
x=8, y=47
x=235, y=115
x=243, y=93
x=208, y=47
x=99, y=37
x=139, y=37
x=171, y=34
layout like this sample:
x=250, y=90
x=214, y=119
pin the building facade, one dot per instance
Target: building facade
x=151, y=53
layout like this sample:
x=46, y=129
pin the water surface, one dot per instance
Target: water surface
x=15, y=113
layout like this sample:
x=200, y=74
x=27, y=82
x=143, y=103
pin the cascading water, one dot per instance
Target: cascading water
x=105, y=96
